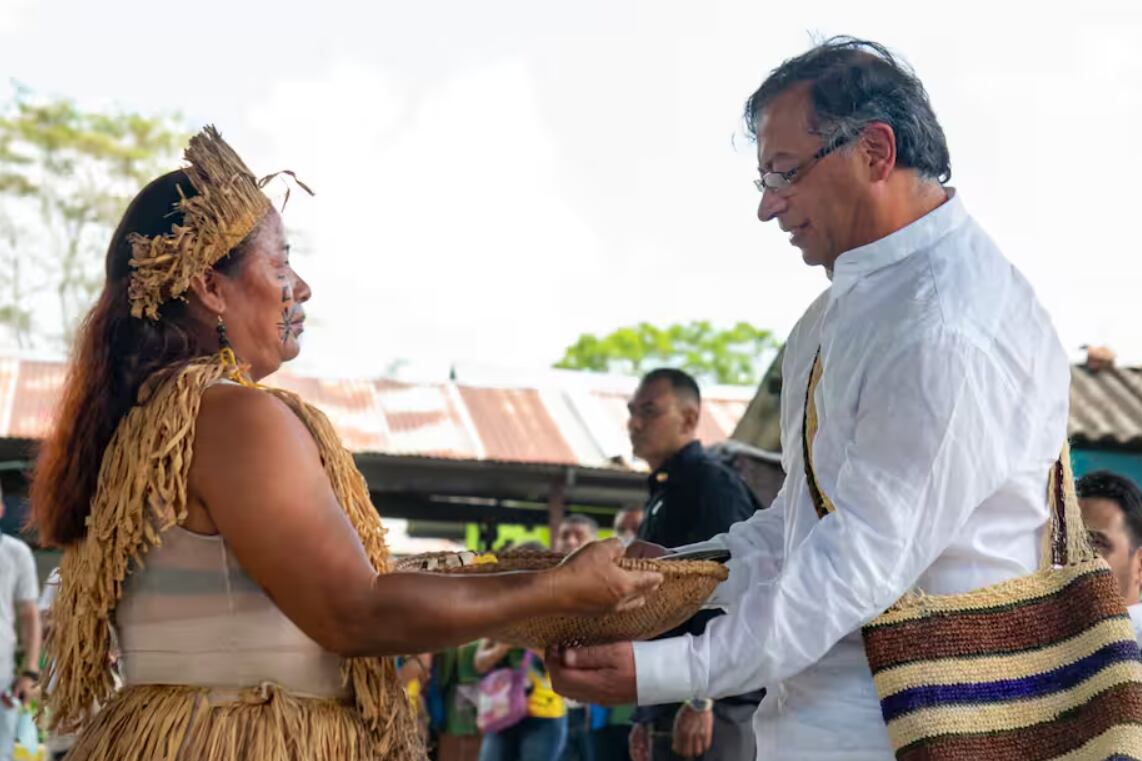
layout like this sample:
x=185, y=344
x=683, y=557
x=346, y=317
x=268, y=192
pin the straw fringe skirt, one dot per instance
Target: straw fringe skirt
x=183, y=723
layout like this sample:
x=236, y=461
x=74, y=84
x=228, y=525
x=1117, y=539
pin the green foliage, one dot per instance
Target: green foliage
x=66, y=175
x=729, y=356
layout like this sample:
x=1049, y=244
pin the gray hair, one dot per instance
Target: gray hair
x=577, y=519
x=854, y=83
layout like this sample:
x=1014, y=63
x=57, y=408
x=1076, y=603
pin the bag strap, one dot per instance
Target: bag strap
x=525, y=664
x=809, y=422
x=1064, y=543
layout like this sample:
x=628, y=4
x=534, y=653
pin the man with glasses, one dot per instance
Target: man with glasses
x=941, y=406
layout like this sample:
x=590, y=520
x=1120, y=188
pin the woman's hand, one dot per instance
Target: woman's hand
x=488, y=654
x=590, y=582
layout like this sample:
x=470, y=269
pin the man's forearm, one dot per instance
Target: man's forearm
x=30, y=635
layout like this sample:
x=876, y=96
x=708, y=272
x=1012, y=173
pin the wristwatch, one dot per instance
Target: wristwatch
x=701, y=705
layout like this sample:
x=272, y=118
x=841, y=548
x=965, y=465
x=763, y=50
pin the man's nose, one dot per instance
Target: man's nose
x=770, y=206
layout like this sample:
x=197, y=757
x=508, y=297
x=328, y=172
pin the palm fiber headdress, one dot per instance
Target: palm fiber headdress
x=229, y=204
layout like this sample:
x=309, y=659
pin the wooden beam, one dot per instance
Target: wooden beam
x=556, y=503
x=424, y=507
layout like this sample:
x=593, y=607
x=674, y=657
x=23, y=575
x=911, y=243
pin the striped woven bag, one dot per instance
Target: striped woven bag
x=1044, y=666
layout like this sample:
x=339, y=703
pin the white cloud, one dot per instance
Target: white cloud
x=439, y=229
x=494, y=179
x=14, y=13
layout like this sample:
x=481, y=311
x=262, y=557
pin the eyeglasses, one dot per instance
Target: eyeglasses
x=782, y=180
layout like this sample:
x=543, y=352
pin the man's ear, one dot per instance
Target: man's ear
x=207, y=287
x=691, y=412
x=1136, y=567
x=878, y=146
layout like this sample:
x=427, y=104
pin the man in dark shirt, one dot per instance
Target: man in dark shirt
x=692, y=498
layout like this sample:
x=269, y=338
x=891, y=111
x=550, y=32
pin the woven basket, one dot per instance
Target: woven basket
x=686, y=585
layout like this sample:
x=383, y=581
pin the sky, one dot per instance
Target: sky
x=495, y=178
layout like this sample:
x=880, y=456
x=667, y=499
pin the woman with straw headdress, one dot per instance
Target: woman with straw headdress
x=220, y=528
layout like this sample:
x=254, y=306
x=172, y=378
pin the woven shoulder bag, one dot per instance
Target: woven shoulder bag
x=1044, y=666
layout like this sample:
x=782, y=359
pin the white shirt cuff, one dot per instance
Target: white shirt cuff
x=662, y=671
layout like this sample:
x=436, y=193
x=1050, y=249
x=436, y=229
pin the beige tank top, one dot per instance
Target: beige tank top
x=191, y=616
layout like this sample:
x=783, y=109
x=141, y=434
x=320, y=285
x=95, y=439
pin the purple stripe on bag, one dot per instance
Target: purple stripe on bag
x=1036, y=685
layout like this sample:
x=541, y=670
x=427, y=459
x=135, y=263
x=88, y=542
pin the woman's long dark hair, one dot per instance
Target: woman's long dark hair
x=113, y=355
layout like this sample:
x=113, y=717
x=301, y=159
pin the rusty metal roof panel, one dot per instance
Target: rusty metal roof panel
x=426, y=419
x=351, y=406
x=35, y=394
x=571, y=422
x=514, y=424
x=1106, y=407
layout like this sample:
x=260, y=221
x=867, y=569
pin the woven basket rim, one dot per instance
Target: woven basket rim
x=673, y=568
x=686, y=584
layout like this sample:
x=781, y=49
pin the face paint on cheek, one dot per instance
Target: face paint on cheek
x=287, y=294
x=285, y=327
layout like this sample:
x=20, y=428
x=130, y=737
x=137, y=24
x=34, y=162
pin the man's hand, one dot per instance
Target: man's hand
x=693, y=731
x=638, y=743
x=602, y=674
x=23, y=689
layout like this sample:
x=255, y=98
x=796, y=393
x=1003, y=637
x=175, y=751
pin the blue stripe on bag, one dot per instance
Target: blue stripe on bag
x=1004, y=690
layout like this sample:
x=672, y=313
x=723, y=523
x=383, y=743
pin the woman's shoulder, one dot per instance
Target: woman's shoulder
x=249, y=446
x=233, y=416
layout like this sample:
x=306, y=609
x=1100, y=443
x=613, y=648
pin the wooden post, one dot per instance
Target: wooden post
x=556, y=502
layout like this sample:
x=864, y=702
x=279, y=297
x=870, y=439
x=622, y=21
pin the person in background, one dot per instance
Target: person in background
x=692, y=498
x=19, y=624
x=542, y=734
x=611, y=726
x=627, y=522
x=413, y=672
x=456, y=681
x=573, y=533
x=56, y=743
x=1112, y=512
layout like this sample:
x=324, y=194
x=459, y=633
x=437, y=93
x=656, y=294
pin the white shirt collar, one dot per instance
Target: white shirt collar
x=859, y=262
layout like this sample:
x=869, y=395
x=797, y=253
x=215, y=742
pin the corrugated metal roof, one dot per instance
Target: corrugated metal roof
x=351, y=407
x=514, y=425
x=1105, y=409
x=568, y=422
x=36, y=387
x=424, y=419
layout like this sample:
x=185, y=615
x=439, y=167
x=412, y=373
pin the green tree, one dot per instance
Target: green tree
x=66, y=175
x=14, y=314
x=729, y=356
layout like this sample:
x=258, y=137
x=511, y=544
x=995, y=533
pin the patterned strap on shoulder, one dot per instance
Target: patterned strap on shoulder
x=821, y=502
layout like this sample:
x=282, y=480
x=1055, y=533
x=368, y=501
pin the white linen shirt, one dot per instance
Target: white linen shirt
x=18, y=584
x=1135, y=612
x=942, y=406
